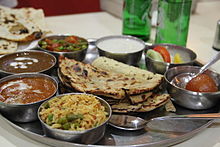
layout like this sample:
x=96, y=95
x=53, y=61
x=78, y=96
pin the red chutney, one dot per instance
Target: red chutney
x=26, y=90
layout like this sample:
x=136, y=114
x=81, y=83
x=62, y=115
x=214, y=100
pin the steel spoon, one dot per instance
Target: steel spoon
x=128, y=122
x=182, y=79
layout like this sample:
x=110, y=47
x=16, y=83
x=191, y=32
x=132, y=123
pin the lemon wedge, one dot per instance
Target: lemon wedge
x=177, y=59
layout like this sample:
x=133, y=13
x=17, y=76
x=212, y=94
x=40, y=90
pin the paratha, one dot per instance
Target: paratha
x=170, y=107
x=154, y=101
x=108, y=64
x=87, y=78
x=140, y=97
x=25, y=24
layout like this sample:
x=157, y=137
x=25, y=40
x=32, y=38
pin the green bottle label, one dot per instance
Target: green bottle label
x=173, y=21
x=136, y=18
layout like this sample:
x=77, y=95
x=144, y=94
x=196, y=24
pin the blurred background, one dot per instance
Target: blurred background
x=65, y=7
x=52, y=8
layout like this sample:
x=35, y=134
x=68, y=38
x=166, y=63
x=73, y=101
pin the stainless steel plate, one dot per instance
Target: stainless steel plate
x=167, y=133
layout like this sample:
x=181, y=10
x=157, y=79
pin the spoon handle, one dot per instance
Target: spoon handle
x=202, y=116
x=206, y=66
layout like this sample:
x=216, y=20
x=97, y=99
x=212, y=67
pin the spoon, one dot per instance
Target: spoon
x=182, y=79
x=128, y=122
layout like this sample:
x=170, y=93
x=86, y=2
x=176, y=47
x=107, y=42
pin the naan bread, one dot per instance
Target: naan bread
x=87, y=78
x=7, y=47
x=25, y=24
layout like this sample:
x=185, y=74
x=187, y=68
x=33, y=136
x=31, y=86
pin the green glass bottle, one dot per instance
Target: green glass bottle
x=173, y=21
x=136, y=18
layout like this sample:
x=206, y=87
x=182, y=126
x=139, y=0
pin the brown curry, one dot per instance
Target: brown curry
x=26, y=90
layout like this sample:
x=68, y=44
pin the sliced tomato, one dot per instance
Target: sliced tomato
x=55, y=45
x=163, y=51
x=48, y=41
x=71, y=39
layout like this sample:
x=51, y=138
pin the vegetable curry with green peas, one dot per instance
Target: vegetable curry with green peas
x=67, y=44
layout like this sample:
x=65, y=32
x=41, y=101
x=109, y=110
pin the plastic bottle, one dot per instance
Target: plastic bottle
x=173, y=21
x=136, y=18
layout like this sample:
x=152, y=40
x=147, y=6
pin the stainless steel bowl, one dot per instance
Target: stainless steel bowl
x=128, y=57
x=188, y=56
x=77, y=55
x=23, y=112
x=89, y=136
x=6, y=61
x=190, y=99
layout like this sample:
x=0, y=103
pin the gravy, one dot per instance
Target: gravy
x=24, y=62
x=26, y=90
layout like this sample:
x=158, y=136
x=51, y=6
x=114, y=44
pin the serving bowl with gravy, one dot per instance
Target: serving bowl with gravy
x=123, y=48
x=22, y=94
x=26, y=62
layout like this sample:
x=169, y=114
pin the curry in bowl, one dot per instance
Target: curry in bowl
x=26, y=90
x=22, y=94
x=26, y=61
x=64, y=44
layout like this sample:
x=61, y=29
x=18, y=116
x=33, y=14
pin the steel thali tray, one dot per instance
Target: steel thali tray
x=168, y=133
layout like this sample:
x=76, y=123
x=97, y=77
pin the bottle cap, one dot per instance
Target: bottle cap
x=216, y=44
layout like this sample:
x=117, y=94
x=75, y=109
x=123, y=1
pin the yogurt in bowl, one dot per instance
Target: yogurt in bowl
x=123, y=48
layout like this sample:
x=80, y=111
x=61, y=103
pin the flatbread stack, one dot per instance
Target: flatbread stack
x=20, y=25
x=126, y=88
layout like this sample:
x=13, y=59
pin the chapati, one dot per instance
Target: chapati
x=87, y=78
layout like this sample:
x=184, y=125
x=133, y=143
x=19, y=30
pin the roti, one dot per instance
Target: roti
x=140, y=97
x=87, y=78
x=111, y=65
x=7, y=46
x=24, y=24
x=154, y=101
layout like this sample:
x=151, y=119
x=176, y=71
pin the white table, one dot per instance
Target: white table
x=95, y=25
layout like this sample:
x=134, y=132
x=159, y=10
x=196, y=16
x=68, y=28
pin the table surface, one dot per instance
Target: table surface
x=94, y=25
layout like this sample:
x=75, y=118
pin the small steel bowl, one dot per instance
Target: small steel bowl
x=190, y=99
x=35, y=61
x=24, y=112
x=124, y=54
x=89, y=136
x=76, y=55
x=187, y=55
